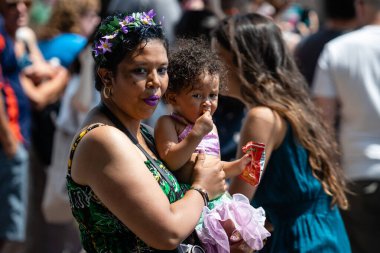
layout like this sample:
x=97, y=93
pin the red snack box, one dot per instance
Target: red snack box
x=253, y=171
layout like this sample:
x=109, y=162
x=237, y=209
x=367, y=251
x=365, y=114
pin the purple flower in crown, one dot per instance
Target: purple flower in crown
x=124, y=29
x=123, y=24
x=115, y=28
x=96, y=50
x=146, y=18
x=103, y=46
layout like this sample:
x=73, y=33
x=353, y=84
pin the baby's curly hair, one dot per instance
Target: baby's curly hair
x=189, y=60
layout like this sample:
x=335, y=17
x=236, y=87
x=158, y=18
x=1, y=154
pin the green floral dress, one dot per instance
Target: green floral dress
x=100, y=230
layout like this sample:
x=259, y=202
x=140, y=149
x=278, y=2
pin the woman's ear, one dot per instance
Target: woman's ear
x=106, y=76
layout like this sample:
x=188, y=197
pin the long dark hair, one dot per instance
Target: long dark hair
x=269, y=77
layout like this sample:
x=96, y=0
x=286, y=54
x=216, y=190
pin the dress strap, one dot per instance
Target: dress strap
x=118, y=124
x=76, y=142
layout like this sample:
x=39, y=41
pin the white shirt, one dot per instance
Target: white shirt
x=349, y=70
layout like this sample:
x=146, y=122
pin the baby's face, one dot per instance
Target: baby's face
x=191, y=104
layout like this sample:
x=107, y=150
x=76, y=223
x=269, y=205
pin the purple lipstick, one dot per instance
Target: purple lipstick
x=152, y=100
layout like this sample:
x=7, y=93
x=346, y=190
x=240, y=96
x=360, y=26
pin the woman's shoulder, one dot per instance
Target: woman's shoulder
x=105, y=137
x=97, y=134
x=262, y=113
x=265, y=121
x=98, y=147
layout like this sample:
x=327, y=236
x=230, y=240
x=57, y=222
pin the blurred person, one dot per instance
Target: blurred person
x=301, y=187
x=19, y=96
x=340, y=18
x=79, y=97
x=69, y=26
x=347, y=83
x=15, y=122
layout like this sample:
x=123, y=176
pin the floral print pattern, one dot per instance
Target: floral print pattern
x=101, y=231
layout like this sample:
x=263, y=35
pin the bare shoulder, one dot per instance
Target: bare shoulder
x=101, y=146
x=265, y=125
x=262, y=113
x=166, y=125
x=165, y=120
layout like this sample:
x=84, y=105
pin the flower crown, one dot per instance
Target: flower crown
x=114, y=31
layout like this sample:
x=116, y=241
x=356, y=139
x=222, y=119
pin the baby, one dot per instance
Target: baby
x=195, y=74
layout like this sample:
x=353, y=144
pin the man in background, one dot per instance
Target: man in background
x=340, y=18
x=347, y=83
x=15, y=119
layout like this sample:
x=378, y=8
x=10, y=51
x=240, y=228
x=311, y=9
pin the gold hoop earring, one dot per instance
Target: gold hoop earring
x=107, y=92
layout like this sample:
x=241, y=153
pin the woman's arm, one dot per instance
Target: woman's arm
x=264, y=126
x=47, y=92
x=108, y=162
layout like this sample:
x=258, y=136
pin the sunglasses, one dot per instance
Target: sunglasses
x=13, y=4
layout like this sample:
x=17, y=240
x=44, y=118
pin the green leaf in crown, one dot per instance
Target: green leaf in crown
x=114, y=32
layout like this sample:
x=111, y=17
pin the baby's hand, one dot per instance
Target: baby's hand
x=204, y=124
x=243, y=162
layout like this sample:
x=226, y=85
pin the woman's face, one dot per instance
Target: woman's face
x=203, y=96
x=140, y=80
x=233, y=83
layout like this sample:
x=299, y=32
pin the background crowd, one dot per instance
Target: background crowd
x=47, y=85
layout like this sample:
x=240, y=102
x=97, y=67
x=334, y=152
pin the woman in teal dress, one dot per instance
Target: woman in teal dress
x=302, y=186
x=121, y=195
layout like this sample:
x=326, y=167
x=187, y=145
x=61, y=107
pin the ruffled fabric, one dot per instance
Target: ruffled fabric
x=248, y=221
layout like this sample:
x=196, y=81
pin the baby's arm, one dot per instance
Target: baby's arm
x=175, y=153
x=234, y=168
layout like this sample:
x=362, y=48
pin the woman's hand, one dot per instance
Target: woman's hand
x=209, y=175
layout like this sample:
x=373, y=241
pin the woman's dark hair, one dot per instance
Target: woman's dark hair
x=269, y=77
x=189, y=60
x=121, y=48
